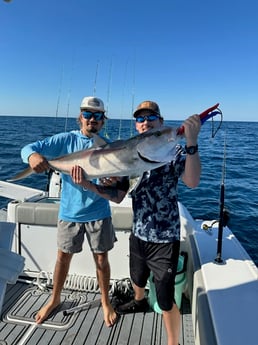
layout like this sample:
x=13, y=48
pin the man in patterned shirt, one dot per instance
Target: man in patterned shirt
x=155, y=238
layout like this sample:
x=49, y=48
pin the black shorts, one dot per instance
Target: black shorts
x=161, y=259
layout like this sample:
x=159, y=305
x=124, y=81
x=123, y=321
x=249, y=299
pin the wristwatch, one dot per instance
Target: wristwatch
x=191, y=150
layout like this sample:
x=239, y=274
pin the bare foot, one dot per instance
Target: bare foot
x=45, y=311
x=110, y=315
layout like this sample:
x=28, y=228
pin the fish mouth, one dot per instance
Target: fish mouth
x=146, y=159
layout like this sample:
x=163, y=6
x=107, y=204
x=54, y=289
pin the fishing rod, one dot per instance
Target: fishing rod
x=49, y=173
x=68, y=109
x=59, y=96
x=204, y=116
x=108, y=99
x=69, y=95
x=223, y=214
x=133, y=96
x=95, y=81
x=108, y=94
x=122, y=107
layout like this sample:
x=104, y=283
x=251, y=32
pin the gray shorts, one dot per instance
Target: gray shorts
x=100, y=235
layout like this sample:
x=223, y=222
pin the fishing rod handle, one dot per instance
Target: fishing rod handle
x=204, y=116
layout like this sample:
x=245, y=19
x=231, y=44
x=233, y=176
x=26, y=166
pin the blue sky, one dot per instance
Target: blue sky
x=185, y=55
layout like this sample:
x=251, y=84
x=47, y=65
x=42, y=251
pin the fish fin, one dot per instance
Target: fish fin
x=134, y=183
x=28, y=171
x=98, y=141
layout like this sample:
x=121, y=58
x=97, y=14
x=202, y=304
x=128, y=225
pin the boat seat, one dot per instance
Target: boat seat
x=122, y=217
x=39, y=213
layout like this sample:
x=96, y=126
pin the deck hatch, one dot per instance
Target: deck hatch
x=25, y=309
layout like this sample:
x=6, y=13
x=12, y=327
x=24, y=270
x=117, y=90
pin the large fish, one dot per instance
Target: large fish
x=130, y=157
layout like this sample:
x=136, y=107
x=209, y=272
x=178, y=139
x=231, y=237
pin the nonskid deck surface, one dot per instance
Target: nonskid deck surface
x=84, y=326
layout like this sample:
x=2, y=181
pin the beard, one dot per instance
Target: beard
x=93, y=130
x=93, y=127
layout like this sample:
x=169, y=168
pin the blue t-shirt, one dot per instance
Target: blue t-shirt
x=77, y=204
x=156, y=215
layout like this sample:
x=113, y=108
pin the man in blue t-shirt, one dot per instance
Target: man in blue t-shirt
x=155, y=238
x=84, y=207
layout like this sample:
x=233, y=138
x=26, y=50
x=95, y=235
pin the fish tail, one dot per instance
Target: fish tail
x=28, y=171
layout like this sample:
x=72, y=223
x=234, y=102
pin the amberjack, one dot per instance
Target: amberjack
x=131, y=157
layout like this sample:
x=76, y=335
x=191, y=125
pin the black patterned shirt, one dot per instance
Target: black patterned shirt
x=156, y=214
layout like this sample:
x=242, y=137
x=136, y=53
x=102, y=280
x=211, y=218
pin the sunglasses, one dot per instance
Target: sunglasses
x=151, y=117
x=89, y=114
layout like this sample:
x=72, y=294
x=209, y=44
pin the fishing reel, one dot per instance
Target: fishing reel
x=207, y=226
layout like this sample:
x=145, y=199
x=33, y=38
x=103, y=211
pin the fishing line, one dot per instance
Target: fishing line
x=214, y=130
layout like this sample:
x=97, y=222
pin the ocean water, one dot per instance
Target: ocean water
x=231, y=157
